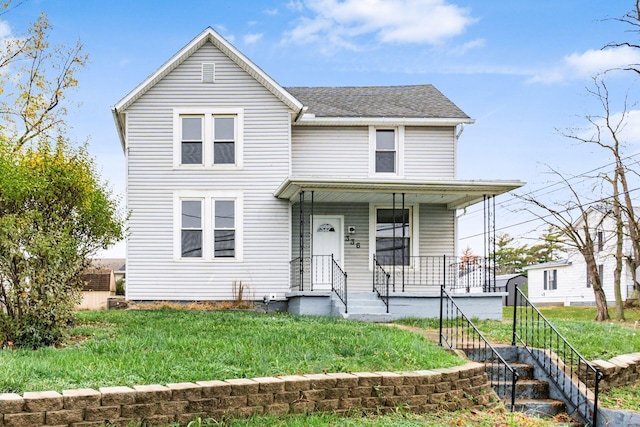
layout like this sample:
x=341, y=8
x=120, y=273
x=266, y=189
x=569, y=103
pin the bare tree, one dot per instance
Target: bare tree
x=573, y=219
x=36, y=78
x=632, y=19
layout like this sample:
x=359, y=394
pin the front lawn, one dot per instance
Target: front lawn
x=594, y=340
x=132, y=347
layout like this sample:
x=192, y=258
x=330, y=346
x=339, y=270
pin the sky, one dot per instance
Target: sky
x=520, y=68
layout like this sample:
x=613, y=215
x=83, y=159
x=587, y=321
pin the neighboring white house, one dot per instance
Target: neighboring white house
x=225, y=167
x=566, y=282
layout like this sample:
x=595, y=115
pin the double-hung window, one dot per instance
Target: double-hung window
x=210, y=138
x=393, y=236
x=550, y=280
x=191, y=228
x=386, y=151
x=224, y=234
x=191, y=140
x=208, y=225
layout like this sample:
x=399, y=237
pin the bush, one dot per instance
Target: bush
x=54, y=215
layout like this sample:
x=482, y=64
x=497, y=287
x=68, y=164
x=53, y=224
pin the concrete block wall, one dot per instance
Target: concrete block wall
x=619, y=371
x=455, y=388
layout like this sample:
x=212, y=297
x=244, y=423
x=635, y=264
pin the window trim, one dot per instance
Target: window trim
x=414, y=230
x=208, y=115
x=208, y=224
x=399, y=150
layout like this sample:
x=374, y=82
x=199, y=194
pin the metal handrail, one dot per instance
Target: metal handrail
x=296, y=268
x=381, y=282
x=574, y=376
x=460, y=333
x=339, y=282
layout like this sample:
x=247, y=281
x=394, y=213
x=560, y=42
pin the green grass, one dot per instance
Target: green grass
x=489, y=418
x=594, y=340
x=163, y=346
x=622, y=397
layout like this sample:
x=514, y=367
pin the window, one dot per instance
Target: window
x=208, y=137
x=208, y=225
x=600, y=240
x=550, y=280
x=388, y=247
x=191, y=140
x=224, y=140
x=224, y=240
x=191, y=235
x=385, y=151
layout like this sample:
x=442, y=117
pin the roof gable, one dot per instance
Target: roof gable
x=208, y=35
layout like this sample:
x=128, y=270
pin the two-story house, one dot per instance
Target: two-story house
x=232, y=178
x=566, y=282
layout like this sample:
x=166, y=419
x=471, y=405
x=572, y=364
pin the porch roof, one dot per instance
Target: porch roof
x=456, y=194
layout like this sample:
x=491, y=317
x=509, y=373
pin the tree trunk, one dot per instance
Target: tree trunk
x=617, y=274
x=601, y=299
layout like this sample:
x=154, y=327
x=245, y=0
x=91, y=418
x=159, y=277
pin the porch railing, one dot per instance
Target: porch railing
x=319, y=271
x=381, y=282
x=574, y=376
x=458, y=332
x=339, y=283
x=458, y=274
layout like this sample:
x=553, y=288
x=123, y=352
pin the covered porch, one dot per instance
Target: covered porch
x=394, y=241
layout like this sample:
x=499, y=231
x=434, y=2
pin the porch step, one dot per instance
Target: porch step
x=363, y=306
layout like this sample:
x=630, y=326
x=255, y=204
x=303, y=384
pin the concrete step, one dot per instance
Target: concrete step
x=543, y=408
x=507, y=352
x=525, y=389
x=369, y=317
x=498, y=371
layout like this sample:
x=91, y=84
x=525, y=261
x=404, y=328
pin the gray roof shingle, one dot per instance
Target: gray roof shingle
x=418, y=101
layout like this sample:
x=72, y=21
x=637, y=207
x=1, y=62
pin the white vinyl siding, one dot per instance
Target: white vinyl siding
x=346, y=152
x=153, y=272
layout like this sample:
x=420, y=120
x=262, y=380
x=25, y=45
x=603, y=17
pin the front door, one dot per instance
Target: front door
x=327, y=241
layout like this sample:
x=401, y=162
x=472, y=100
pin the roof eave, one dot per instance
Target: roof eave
x=306, y=120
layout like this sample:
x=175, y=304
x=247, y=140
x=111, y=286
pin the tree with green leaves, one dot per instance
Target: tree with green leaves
x=55, y=212
x=512, y=258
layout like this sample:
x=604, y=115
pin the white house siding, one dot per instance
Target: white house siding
x=429, y=153
x=152, y=272
x=572, y=288
x=326, y=152
x=435, y=236
x=330, y=152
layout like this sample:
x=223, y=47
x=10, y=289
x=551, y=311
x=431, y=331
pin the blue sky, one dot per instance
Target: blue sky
x=519, y=68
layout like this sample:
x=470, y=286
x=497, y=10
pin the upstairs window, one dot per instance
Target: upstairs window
x=600, y=240
x=191, y=140
x=224, y=137
x=209, y=138
x=550, y=280
x=386, y=151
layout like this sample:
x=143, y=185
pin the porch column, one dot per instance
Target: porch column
x=489, y=242
x=393, y=246
x=301, y=240
x=311, y=244
x=404, y=241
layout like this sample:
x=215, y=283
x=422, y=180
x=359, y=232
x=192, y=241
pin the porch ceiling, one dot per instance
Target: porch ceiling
x=455, y=194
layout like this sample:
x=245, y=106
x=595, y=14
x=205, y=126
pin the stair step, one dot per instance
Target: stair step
x=369, y=317
x=499, y=372
x=525, y=389
x=543, y=408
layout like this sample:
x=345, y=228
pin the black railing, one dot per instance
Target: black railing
x=458, y=332
x=573, y=375
x=381, y=282
x=459, y=274
x=339, y=282
x=296, y=267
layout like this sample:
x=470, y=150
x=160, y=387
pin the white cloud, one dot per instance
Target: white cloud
x=295, y=5
x=390, y=21
x=629, y=128
x=588, y=64
x=252, y=37
x=473, y=44
x=5, y=29
x=271, y=12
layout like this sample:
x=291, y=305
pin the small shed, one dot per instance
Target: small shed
x=507, y=283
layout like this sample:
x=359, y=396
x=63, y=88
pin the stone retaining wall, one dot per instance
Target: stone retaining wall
x=619, y=371
x=419, y=391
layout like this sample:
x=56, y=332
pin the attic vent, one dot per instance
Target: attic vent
x=208, y=72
